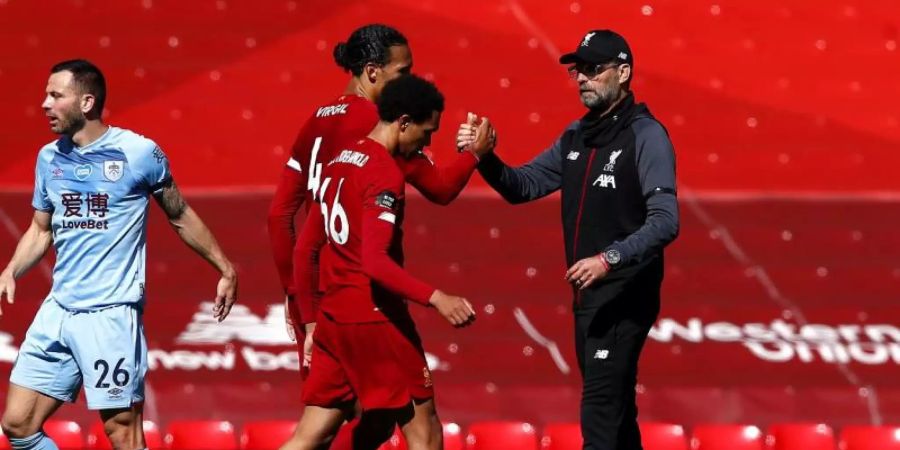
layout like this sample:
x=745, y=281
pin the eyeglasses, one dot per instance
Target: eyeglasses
x=589, y=70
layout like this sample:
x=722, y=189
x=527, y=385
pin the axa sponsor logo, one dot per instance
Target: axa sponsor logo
x=332, y=110
x=780, y=341
x=605, y=181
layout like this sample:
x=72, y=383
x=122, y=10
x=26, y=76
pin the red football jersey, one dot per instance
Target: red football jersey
x=345, y=120
x=361, y=198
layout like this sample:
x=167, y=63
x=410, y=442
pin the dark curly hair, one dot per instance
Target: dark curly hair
x=367, y=44
x=411, y=95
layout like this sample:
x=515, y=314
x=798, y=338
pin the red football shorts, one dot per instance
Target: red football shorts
x=382, y=364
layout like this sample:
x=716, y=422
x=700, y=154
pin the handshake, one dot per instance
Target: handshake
x=476, y=136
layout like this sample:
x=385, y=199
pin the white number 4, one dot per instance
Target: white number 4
x=315, y=170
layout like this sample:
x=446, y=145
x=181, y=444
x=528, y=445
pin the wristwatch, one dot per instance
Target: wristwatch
x=613, y=258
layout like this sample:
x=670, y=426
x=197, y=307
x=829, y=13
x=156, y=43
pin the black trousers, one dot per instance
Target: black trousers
x=608, y=342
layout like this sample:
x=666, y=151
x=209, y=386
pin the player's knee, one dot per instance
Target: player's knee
x=424, y=431
x=124, y=438
x=425, y=434
x=18, y=424
x=122, y=432
x=306, y=443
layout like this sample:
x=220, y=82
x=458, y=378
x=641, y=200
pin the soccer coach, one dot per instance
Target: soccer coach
x=616, y=169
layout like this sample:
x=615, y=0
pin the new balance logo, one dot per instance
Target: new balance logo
x=601, y=354
x=572, y=156
x=605, y=181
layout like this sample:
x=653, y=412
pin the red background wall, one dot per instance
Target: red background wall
x=785, y=122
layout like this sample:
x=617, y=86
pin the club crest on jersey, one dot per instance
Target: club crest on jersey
x=83, y=171
x=113, y=170
x=605, y=181
x=611, y=165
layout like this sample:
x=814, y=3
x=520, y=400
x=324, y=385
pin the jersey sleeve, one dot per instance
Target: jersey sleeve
x=288, y=199
x=382, y=196
x=440, y=185
x=306, y=266
x=40, y=200
x=151, y=167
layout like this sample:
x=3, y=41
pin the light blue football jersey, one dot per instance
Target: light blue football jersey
x=98, y=196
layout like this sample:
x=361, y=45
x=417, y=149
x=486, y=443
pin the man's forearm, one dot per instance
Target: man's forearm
x=442, y=185
x=658, y=231
x=516, y=185
x=197, y=236
x=31, y=248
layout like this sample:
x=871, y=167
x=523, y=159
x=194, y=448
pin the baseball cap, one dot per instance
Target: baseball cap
x=598, y=47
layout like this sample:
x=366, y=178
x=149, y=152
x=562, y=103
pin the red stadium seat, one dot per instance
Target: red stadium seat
x=727, y=437
x=452, y=439
x=266, y=435
x=501, y=436
x=66, y=434
x=201, y=434
x=562, y=436
x=663, y=436
x=152, y=435
x=96, y=438
x=870, y=438
x=800, y=436
x=655, y=436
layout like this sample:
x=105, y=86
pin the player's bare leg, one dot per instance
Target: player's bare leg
x=317, y=428
x=376, y=426
x=125, y=427
x=344, y=438
x=26, y=411
x=424, y=430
